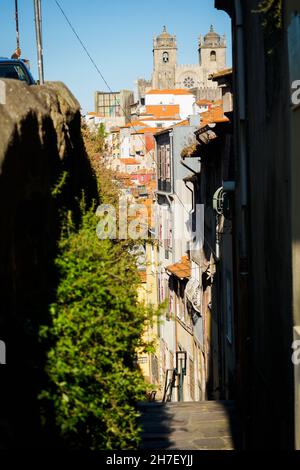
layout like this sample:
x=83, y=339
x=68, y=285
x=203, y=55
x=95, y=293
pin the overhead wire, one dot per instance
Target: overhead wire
x=110, y=90
x=95, y=64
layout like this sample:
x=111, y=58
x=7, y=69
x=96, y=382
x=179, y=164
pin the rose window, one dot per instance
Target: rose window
x=189, y=82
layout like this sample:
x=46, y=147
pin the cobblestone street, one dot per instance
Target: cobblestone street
x=208, y=425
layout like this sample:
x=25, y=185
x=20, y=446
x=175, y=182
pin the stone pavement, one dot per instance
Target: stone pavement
x=207, y=425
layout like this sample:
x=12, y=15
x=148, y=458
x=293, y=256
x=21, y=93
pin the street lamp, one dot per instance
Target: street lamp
x=180, y=371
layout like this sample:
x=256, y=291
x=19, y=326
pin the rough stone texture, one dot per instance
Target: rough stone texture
x=40, y=140
x=263, y=224
x=206, y=425
x=26, y=104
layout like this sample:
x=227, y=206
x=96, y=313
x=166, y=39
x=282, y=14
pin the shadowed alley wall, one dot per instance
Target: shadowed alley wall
x=264, y=222
x=40, y=147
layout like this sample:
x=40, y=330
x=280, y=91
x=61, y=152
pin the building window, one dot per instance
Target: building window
x=168, y=169
x=108, y=104
x=164, y=167
x=213, y=56
x=159, y=163
x=189, y=82
x=165, y=57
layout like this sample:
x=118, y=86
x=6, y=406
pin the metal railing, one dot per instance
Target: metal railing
x=173, y=375
x=170, y=384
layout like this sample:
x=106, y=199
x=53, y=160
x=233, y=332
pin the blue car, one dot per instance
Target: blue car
x=15, y=69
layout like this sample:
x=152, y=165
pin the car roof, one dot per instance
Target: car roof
x=6, y=59
x=18, y=61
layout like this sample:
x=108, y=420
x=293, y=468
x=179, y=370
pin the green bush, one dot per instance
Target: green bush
x=273, y=12
x=97, y=324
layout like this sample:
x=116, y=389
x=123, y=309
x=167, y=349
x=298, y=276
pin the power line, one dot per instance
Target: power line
x=94, y=64
x=109, y=88
x=83, y=45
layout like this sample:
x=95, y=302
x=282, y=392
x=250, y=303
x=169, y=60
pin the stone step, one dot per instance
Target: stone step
x=186, y=406
x=196, y=444
x=203, y=425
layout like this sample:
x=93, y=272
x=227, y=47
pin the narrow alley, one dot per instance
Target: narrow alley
x=207, y=425
x=149, y=226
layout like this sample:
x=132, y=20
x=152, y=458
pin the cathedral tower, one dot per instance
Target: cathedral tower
x=212, y=51
x=164, y=60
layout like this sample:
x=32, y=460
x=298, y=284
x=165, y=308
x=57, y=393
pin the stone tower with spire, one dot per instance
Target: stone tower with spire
x=195, y=77
x=164, y=60
x=212, y=51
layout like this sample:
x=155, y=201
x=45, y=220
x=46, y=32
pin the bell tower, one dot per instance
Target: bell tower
x=212, y=51
x=164, y=60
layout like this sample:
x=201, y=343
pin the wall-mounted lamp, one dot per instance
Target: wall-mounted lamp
x=181, y=362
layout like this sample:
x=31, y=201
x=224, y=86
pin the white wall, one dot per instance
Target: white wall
x=185, y=102
x=124, y=143
x=157, y=122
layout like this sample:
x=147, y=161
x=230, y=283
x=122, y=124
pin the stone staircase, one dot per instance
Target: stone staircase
x=206, y=425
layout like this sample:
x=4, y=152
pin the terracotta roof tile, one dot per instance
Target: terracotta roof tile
x=151, y=130
x=182, y=270
x=143, y=276
x=185, y=122
x=92, y=113
x=144, y=171
x=214, y=115
x=129, y=161
x=204, y=102
x=221, y=73
x=161, y=118
x=135, y=124
x=168, y=110
x=173, y=91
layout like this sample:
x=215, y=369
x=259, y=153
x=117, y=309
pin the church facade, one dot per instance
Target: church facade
x=167, y=73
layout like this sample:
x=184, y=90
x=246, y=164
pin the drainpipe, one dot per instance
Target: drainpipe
x=241, y=103
x=242, y=296
x=188, y=168
x=171, y=134
x=192, y=194
x=218, y=239
x=186, y=184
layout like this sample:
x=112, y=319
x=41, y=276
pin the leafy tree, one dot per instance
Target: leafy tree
x=273, y=9
x=96, y=331
x=100, y=137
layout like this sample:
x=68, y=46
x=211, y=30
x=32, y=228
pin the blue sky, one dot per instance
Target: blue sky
x=118, y=35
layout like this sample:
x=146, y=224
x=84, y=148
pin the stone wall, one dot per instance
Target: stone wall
x=40, y=146
x=263, y=221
